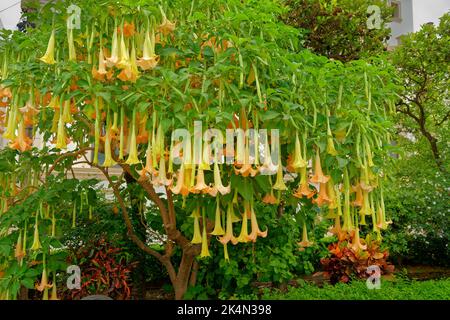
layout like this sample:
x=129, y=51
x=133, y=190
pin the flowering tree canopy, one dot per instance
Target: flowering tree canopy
x=134, y=75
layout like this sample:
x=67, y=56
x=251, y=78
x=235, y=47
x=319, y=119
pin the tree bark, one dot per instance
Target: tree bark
x=180, y=279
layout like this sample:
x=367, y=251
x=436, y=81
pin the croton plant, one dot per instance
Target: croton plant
x=135, y=72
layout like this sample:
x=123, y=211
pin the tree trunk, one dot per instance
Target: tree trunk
x=184, y=273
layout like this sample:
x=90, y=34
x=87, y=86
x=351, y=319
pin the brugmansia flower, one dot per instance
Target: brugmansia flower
x=356, y=244
x=348, y=224
x=305, y=242
x=44, y=281
x=100, y=73
x=269, y=198
x=149, y=59
x=298, y=162
x=243, y=236
x=197, y=238
x=181, y=187
x=114, y=58
x=330, y=143
x=318, y=176
x=303, y=190
x=72, y=53
x=279, y=183
x=36, y=242
x=229, y=228
x=61, y=138
x=19, y=252
x=124, y=61
x=49, y=56
x=166, y=26
x=323, y=196
x=200, y=186
x=359, y=196
x=54, y=289
x=161, y=179
x=267, y=167
x=205, y=250
x=21, y=142
x=255, y=228
x=133, y=155
x=218, y=181
x=218, y=230
x=109, y=161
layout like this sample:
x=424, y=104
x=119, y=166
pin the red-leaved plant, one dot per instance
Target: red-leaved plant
x=348, y=261
x=104, y=271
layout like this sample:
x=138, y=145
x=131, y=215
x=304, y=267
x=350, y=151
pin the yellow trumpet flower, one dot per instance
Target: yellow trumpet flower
x=205, y=250
x=54, y=289
x=181, y=187
x=298, y=162
x=243, y=236
x=279, y=183
x=318, y=176
x=114, y=58
x=197, y=237
x=305, y=241
x=49, y=56
x=124, y=61
x=161, y=179
x=133, y=154
x=149, y=59
x=72, y=52
x=218, y=181
x=255, y=228
x=61, y=138
x=36, y=242
x=229, y=236
x=109, y=161
x=218, y=230
x=330, y=143
x=200, y=186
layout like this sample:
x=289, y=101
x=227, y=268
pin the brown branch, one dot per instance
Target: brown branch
x=163, y=259
x=65, y=156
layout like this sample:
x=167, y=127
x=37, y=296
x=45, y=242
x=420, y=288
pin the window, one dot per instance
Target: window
x=396, y=14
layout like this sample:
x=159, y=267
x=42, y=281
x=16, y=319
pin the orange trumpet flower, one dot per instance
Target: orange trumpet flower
x=318, y=176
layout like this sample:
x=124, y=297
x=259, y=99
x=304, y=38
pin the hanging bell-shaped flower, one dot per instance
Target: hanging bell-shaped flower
x=279, y=183
x=149, y=59
x=49, y=56
x=218, y=230
x=197, y=237
x=255, y=228
x=133, y=154
x=109, y=161
x=218, y=181
x=166, y=27
x=305, y=241
x=114, y=58
x=298, y=162
x=318, y=176
x=36, y=242
x=205, y=250
x=229, y=236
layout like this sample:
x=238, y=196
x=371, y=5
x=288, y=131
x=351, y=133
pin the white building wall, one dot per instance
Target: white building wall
x=426, y=11
x=10, y=11
x=414, y=14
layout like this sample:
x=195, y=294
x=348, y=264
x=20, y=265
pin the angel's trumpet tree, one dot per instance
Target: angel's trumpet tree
x=255, y=228
x=318, y=176
x=229, y=236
